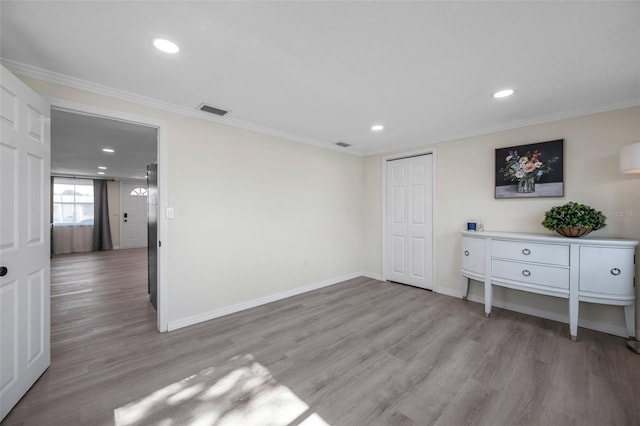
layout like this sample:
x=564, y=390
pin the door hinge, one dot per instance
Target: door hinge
x=159, y=243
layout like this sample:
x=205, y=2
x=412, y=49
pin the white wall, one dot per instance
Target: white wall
x=249, y=208
x=465, y=190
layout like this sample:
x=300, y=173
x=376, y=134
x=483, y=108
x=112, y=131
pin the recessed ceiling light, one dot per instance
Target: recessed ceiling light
x=108, y=150
x=102, y=167
x=166, y=46
x=377, y=127
x=503, y=93
x=100, y=173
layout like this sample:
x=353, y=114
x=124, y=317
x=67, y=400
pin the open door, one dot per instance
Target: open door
x=152, y=231
x=25, y=156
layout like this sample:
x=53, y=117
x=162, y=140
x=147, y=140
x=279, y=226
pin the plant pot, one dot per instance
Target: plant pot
x=573, y=231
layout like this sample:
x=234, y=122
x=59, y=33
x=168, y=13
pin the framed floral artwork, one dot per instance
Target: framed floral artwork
x=533, y=170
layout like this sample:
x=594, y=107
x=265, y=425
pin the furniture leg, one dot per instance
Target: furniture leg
x=488, y=298
x=630, y=319
x=573, y=318
x=465, y=288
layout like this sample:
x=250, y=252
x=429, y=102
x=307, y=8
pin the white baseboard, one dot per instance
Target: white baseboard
x=591, y=325
x=372, y=276
x=220, y=312
x=448, y=292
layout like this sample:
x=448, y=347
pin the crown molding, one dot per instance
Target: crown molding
x=579, y=112
x=99, y=89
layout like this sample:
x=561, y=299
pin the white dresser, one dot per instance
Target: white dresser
x=595, y=270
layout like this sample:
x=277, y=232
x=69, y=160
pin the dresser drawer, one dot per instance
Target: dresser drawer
x=607, y=270
x=533, y=274
x=551, y=254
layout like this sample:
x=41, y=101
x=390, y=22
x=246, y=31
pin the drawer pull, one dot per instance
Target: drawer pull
x=466, y=252
x=526, y=273
x=615, y=271
x=526, y=252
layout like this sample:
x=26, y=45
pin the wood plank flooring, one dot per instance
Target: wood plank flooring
x=361, y=352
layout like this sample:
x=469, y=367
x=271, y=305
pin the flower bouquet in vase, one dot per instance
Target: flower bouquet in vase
x=526, y=170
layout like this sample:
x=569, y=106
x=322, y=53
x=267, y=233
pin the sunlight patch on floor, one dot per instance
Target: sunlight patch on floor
x=240, y=392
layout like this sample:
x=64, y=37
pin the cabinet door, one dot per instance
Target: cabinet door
x=606, y=270
x=473, y=255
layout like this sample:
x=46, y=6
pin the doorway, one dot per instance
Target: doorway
x=160, y=127
x=408, y=220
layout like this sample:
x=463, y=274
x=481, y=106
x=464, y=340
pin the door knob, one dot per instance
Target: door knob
x=3, y=271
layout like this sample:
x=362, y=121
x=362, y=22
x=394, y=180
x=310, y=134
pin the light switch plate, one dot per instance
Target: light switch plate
x=170, y=213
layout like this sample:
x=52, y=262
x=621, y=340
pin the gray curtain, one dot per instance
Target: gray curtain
x=101, y=228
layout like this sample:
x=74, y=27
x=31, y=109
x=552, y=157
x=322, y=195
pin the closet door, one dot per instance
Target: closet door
x=409, y=193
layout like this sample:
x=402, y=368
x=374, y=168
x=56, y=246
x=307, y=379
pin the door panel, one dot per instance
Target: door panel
x=397, y=254
x=9, y=189
x=35, y=209
x=35, y=301
x=25, y=155
x=409, y=215
x=417, y=261
x=9, y=321
x=418, y=204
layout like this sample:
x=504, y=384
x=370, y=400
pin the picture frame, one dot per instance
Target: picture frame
x=531, y=170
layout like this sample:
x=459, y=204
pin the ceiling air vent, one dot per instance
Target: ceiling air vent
x=343, y=144
x=212, y=110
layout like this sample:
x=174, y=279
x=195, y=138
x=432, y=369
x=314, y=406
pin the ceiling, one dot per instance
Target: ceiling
x=77, y=141
x=327, y=71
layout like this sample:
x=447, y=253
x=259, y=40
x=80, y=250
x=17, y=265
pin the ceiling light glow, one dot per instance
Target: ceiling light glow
x=503, y=93
x=166, y=46
x=100, y=173
x=377, y=127
x=102, y=167
x=108, y=150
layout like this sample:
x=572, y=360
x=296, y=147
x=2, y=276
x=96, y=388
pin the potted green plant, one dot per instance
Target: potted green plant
x=573, y=219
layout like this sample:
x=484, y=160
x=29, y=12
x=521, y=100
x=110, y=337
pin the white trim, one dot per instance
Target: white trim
x=396, y=156
x=220, y=312
x=162, y=152
x=88, y=86
x=449, y=292
x=372, y=276
x=549, y=118
x=99, y=89
x=591, y=325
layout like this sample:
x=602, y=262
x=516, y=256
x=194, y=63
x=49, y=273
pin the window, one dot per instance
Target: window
x=140, y=192
x=72, y=201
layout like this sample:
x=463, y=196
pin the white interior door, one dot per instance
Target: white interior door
x=409, y=227
x=25, y=156
x=134, y=214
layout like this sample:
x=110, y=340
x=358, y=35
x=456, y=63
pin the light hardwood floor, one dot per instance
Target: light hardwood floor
x=361, y=352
